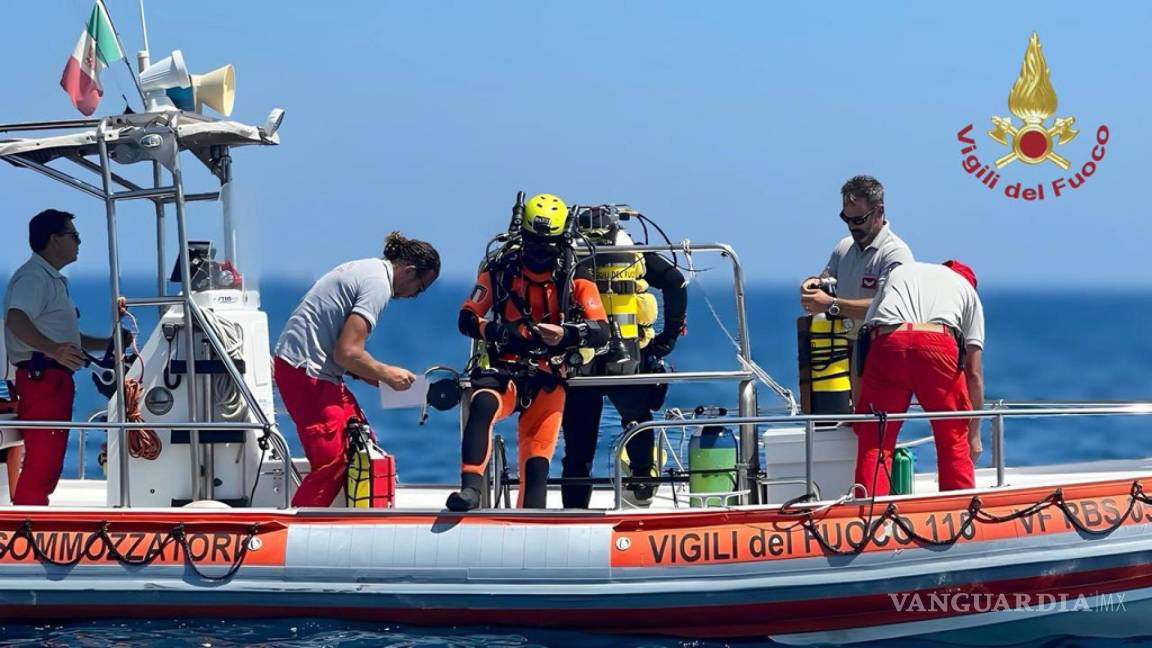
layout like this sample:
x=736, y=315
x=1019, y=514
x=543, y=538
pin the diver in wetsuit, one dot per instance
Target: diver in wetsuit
x=624, y=280
x=528, y=311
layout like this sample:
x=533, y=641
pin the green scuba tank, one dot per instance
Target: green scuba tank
x=903, y=471
x=711, y=461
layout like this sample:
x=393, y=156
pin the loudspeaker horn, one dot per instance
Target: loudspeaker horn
x=216, y=89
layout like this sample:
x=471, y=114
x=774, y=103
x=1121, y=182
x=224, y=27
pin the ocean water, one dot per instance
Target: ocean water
x=1042, y=344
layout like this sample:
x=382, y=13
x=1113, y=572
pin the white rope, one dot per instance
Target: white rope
x=749, y=364
x=686, y=246
x=225, y=392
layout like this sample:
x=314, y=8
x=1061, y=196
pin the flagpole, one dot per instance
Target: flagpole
x=123, y=51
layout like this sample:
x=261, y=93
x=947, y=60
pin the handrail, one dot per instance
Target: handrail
x=810, y=420
x=658, y=378
x=128, y=425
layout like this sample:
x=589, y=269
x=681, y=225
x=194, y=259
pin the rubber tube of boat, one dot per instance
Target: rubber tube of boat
x=824, y=358
x=903, y=471
x=711, y=461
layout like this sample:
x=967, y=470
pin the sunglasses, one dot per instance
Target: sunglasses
x=858, y=220
x=420, y=280
x=75, y=236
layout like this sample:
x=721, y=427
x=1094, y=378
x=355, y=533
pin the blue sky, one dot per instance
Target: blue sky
x=730, y=121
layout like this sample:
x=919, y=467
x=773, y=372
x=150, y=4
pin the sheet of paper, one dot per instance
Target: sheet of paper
x=412, y=397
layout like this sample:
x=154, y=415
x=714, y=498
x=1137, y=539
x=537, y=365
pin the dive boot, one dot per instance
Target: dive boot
x=464, y=499
x=639, y=496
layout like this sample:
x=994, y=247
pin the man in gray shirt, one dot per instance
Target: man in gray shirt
x=925, y=338
x=860, y=259
x=324, y=339
x=858, y=262
x=44, y=342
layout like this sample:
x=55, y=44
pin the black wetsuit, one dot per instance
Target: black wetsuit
x=584, y=405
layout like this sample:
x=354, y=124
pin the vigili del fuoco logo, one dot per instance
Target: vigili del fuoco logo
x=1037, y=140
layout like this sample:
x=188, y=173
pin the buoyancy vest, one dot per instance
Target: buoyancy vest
x=510, y=294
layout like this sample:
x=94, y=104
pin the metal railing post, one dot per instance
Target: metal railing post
x=157, y=179
x=809, y=450
x=189, y=328
x=998, y=448
x=749, y=468
x=114, y=285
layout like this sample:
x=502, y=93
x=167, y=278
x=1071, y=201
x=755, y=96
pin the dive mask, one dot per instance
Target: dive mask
x=540, y=253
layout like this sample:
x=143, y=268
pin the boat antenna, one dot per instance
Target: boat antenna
x=119, y=42
x=143, y=29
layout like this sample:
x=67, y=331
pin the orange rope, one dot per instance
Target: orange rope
x=144, y=444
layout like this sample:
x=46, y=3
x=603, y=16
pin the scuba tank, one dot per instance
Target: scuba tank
x=711, y=461
x=620, y=279
x=903, y=471
x=825, y=361
x=371, y=471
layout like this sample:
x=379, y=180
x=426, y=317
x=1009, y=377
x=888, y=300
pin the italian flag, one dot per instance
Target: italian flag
x=96, y=48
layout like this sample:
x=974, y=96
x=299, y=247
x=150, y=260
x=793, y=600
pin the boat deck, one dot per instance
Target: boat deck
x=91, y=493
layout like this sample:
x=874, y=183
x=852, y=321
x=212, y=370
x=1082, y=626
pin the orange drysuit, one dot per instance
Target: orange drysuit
x=520, y=377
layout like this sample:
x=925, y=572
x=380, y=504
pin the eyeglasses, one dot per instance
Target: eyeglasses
x=423, y=286
x=858, y=220
x=73, y=234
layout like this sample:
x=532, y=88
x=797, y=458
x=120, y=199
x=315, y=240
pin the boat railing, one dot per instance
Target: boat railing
x=998, y=413
x=113, y=189
x=124, y=427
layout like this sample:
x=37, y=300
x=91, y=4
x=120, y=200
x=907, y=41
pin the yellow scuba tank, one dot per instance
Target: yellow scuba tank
x=825, y=364
x=371, y=471
x=620, y=280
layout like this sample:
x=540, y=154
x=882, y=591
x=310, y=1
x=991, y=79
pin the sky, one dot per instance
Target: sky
x=723, y=121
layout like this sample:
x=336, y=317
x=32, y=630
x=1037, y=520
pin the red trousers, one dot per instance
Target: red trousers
x=320, y=409
x=48, y=398
x=900, y=364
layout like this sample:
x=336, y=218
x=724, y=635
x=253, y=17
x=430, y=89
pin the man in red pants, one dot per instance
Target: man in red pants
x=926, y=337
x=42, y=334
x=324, y=339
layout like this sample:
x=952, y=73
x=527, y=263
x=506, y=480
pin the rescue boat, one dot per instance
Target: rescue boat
x=203, y=527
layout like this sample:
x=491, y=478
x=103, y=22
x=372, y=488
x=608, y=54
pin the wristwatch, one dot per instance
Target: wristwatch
x=834, y=309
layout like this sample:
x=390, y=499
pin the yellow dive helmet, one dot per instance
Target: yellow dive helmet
x=544, y=215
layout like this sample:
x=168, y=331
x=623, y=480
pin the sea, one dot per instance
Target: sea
x=1042, y=343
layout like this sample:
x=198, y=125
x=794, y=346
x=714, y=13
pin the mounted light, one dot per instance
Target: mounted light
x=272, y=124
x=156, y=79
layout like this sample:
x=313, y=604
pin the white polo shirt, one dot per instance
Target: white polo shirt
x=41, y=292
x=927, y=293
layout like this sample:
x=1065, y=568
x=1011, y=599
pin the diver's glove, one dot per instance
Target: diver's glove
x=663, y=344
x=508, y=337
x=502, y=333
x=575, y=334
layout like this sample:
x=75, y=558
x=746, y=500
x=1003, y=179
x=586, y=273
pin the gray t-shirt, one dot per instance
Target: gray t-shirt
x=41, y=292
x=858, y=271
x=925, y=293
x=309, y=338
